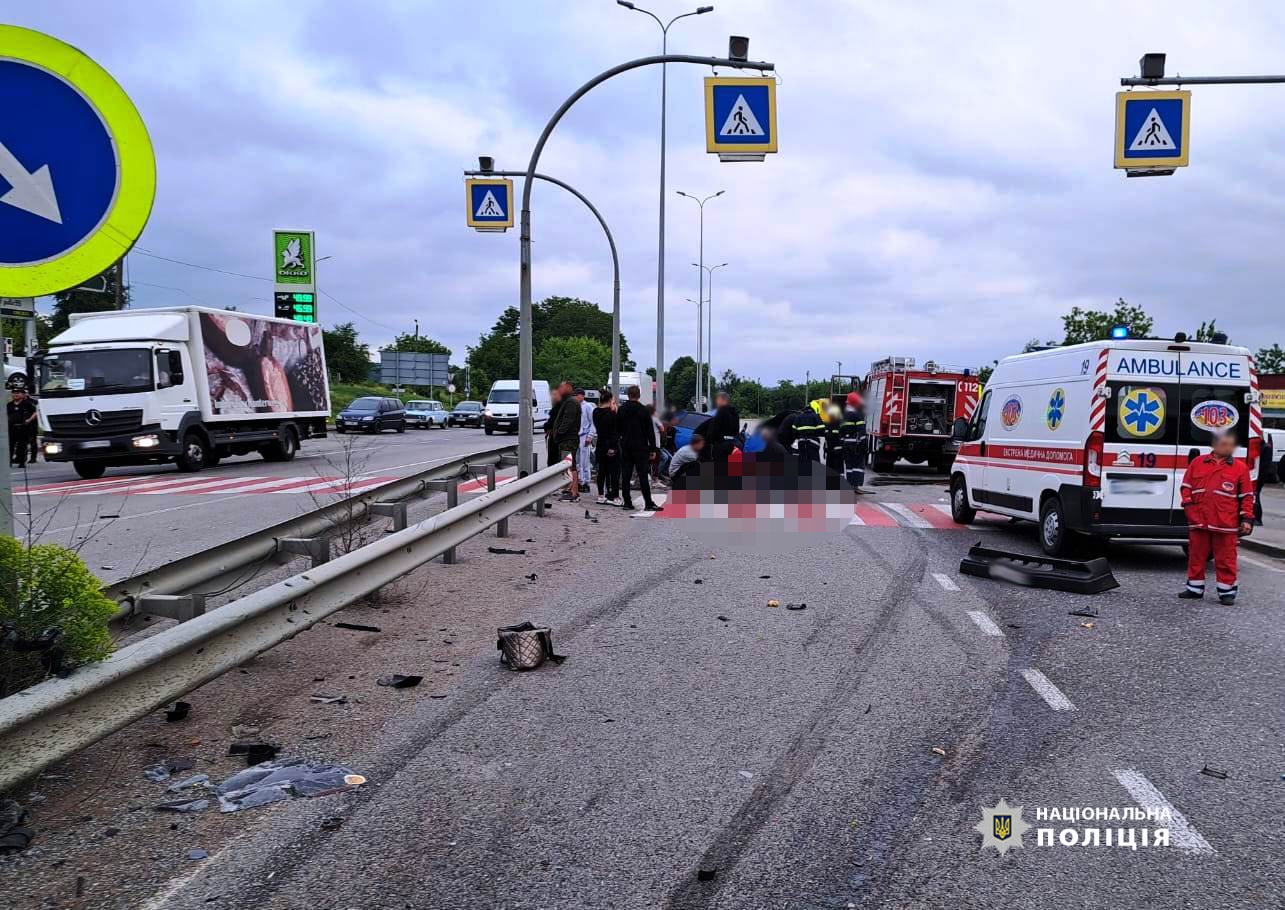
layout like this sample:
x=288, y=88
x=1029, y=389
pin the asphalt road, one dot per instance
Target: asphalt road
x=136, y=518
x=700, y=749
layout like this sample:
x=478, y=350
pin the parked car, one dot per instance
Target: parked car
x=372, y=415
x=466, y=414
x=685, y=424
x=426, y=414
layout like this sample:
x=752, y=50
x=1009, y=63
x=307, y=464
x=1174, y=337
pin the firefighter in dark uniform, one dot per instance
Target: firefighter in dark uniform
x=808, y=429
x=852, y=439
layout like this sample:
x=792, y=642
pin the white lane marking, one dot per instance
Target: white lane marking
x=984, y=623
x=856, y=520
x=945, y=510
x=897, y=509
x=1262, y=565
x=1181, y=833
x=945, y=581
x=1049, y=692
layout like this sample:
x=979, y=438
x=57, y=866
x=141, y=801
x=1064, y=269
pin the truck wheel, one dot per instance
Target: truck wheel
x=960, y=510
x=283, y=449
x=1055, y=539
x=191, y=457
x=213, y=458
x=90, y=470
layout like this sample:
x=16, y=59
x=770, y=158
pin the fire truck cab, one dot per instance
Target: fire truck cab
x=910, y=411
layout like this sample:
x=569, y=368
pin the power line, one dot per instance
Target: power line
x=362, y=315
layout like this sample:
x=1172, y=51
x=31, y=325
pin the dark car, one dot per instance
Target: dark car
x=466, y=414
x=372, y=415
x=685, y=424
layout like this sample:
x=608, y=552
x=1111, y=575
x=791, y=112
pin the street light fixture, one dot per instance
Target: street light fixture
x=700, y=373
x=709, y=316
x=660, y=253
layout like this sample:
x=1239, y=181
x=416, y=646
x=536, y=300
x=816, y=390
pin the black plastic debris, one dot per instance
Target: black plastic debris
x=532, y=577
x=398, y=681
x=721, y=618
x=15, y=835
x=796, y=606
x=1215, y=773
x=357, y=627
x=1091, y=576
x=254, y=753
x=505, y=551
x=698, y=581
x=332, y=823
x=273, y=781
x=1084, y=611
x=180, y=710
x=706, y=875
x=765, y=576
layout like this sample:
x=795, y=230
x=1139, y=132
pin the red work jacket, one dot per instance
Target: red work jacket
x=1217, y=495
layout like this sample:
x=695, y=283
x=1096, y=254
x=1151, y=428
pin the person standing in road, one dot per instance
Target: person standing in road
x=852, y=441
x=584, y=454
x=607, y=450
x=1266, y=474
x=566, y=435
x=808, y=429
x=21, y=414
x=1218, y=498
x=637, y=448
x=550, y=424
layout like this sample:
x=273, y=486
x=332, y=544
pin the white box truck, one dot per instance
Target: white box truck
x=183, y=384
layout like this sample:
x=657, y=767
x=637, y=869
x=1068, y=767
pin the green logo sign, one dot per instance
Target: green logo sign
x=293, y=257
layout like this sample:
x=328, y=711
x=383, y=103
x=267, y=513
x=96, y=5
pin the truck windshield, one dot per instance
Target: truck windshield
x=103, y=372
x=503, y=396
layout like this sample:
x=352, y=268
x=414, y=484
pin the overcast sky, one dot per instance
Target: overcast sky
x=944, y=187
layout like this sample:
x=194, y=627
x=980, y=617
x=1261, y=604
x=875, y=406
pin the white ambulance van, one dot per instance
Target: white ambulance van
x=1093, y=439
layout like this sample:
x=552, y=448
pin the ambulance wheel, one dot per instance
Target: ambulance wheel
x=960, y=510
x=1055, y=539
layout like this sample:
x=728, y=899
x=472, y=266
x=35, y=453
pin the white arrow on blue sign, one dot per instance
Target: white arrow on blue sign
x=490, y=203
x=1152, y=129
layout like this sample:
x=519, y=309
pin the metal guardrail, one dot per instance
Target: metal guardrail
x=53, y=719
x=218, y=567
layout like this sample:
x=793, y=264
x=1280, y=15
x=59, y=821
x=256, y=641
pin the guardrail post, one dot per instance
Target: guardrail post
x=539, y=503
x=394, y=510
x=452, y=500
x=179, y=607
x=501, y=526
x=315, y=548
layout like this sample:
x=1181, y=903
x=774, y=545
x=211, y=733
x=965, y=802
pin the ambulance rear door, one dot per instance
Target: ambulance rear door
x=1213, y=391
x=1140, y=463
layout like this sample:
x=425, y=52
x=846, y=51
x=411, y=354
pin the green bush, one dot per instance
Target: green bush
x=54, y=589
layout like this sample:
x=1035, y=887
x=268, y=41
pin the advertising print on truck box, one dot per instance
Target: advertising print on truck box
x=258, y=366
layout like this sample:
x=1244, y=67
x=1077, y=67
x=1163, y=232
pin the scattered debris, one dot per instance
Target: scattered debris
x=438, y=695
x=721, y=618
x=1086, y=625
x=180, y=710
x=254, y=752
x=398, y=681
x=357, y=627
x=867, y=710
x=765, y=576
x=328, y=699
x=1076, y=576
x=244, y=731
x=938, y=750
x=185, y=805
x=194, y=780
x=14, y=833
x=1214, y=773
x=698, y=581
x=272, y=781
x=505, y=551
x=590, y=516
x=706, y=875
x=796, y=606
x=332, y=823
x=532, y=577
x=748, y=775
x=1084, y=611
x=197, y=853
x=773, y=603
x=111, y=832
x=525, y=646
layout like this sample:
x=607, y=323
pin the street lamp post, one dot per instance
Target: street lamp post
x=700, y=372
x=526, y=421
x=700, y=321
x=709, y=315
x=615, y=260
x=660, y=254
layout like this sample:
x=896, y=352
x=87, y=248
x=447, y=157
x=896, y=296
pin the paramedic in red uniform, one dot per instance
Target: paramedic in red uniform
x=1218, y=497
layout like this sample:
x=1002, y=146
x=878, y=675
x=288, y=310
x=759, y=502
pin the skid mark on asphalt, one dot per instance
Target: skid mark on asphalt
x=1181, y=832
x=776, y=784
x=1049, y=692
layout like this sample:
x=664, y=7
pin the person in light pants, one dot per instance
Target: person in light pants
x=584, y=455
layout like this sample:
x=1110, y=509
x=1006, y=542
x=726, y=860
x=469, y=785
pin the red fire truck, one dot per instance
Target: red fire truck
x=910, y=411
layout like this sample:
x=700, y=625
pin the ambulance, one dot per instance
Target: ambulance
x=1091, y=440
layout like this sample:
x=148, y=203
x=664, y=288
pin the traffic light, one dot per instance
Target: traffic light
x=298, y=307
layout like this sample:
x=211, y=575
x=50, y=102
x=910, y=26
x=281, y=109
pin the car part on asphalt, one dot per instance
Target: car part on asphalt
x=272, y=781
x=796, y=606
x=525, y=646
x=1089, y=612
x=15, y=835
x=398, y=681
x=180, y=710
x=1091, y=576
x=1215, y=773
x=505, y=551
x=357, y=627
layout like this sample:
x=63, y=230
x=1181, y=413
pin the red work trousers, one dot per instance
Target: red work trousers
x=1223, y=547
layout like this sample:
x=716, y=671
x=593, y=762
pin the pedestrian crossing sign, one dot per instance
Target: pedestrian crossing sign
x=1152, y=129
x=489, y=203
x=740, y=117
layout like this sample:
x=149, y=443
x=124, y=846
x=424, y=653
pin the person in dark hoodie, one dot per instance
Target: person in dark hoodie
x=607, y=450
x=637, y=445
x=565, y=435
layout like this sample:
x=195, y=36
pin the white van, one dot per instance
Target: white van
x=501, y=411
x=1093, y=439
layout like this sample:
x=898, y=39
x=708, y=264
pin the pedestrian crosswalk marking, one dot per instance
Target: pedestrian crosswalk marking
x=186, y=485
x=919, y=515
x=741, y=121
x=1152, y=136
x=489, y=207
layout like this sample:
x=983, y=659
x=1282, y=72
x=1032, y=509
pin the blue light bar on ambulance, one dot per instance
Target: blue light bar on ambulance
x=1119, y=331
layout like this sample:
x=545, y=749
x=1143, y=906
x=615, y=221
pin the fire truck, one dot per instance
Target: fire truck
x=910, y=411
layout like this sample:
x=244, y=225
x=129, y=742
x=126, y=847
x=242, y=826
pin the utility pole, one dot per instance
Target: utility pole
x=709, y=314
x=660, y=255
